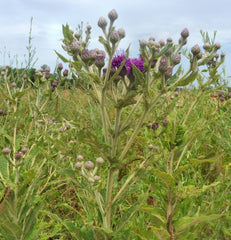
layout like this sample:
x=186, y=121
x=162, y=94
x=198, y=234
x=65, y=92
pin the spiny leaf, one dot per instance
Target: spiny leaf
x=187, y=222
x=154, y=212
x=61, y=57
x=165, y=177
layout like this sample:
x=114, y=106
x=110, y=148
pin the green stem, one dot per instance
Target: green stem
x=108, y=208
x=117, y=128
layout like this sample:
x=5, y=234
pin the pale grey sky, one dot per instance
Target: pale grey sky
x=140, y=19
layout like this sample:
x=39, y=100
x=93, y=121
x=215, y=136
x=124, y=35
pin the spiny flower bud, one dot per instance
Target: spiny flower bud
x=185, y=33
x=99, y=160
x=169, y=40
x=217, y=46
x=99, y=61
x=2, y=112
x=5, y=151
x=85, y=55
x=220, y=93
x=168, y=73
x=163, y=67
x=143, y=43
x=195, y=49
x=150, y=146
x=18, y=155
x=60, y=66
x=182, y=41
x=121, y=33
x=75, y=47
x=102, y=23
x=78, y=165
x=89, y=165
x=207, y=46
x=54, y=83
x=65, y=73
x=114, y=37
x=229, y=95
x=47, y=75
x=176, y=59
x=77, y=35
x=155, y=125
x=112, y=15
x=24, y=150
x=165, y=122
x=162, y=43
x=80, y=157
x=97, y=178
x=13, y=84
x=222, y=98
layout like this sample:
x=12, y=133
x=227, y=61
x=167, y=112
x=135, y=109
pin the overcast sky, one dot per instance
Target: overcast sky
x=140, y=19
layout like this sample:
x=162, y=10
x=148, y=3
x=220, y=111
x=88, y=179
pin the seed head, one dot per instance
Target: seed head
x=112, y=15
x=89, y=165
x=102, y=23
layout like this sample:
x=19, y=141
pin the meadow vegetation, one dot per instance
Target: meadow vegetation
x=117, y=147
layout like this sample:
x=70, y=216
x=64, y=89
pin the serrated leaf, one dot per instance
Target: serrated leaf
x=61, y=57
x=3, y=167
x=160, y=232
x=164, y=50
x=165, y=177
x=187, y=222
x=67, y=33
x=156, y=212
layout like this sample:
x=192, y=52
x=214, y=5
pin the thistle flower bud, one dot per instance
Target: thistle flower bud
x=99, y=160
x=91, y=180
x=150, y=146
x=217, y=46
x=5, y=151
x=169, y=40
x=47, y=69
x=86, y=55
x=182, y=41
x=97, y=178
x=99, y=61
x=18, y=155
x=143, y=44
x=168, y=73
x=162, y=43
x=24, y=150
x=155, y=125
x=112, y=15
x=207, y=46
x=89, y=165
x=165, y=122
x=121, y=33
x=222, y=98
x=78, y=165
x=195, y=49
x=89, y=28
x=184, y=33
x=13, y=84
x=80, y=158
x=220, y=93
x=114, y=37
x=176, y=59
x=47, y=75
x=2, y=112
x=163, y=67
x=222, y=55
x=54, y=83
x=60, y=66
x=229, y=95
x=65, y=73
x=75, y=47
x=24, y=77
x=102, y=23
x=77, y=35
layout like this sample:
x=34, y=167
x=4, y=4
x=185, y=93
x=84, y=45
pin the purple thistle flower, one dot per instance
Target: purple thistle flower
x=139, y=63
x=155, y=125
x=118, y=59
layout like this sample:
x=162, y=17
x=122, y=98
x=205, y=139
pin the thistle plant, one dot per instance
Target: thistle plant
x=127, y=91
